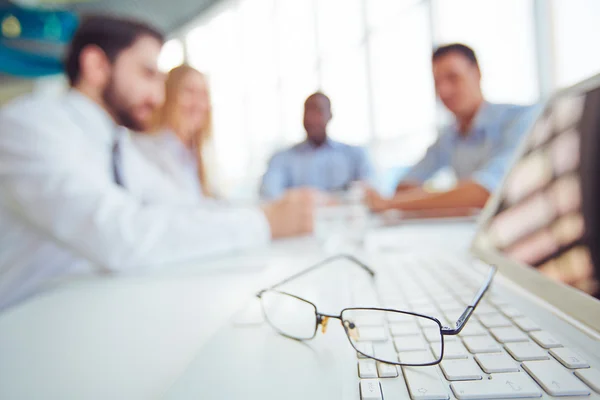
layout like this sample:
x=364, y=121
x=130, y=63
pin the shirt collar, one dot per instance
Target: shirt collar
x=92, y=117
x=307, y=146
x=173, y=143
x=478, y=128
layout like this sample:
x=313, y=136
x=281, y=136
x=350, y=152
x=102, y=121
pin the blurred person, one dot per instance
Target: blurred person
x=478, y=146
x=64, y=203
x=181, y=131
x=318, y=162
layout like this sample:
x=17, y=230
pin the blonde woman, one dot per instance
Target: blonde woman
x=182, y=129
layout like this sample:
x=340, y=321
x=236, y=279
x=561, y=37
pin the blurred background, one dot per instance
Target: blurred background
x=371, y=57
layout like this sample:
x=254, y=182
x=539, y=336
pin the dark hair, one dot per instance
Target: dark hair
x=319, y=94
x=457, y=48
x=111, y=34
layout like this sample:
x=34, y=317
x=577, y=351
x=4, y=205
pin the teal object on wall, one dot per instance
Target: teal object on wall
x=28, y=65
x=24, y=25
x=44, y=25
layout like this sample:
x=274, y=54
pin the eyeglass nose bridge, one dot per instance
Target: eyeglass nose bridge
x=323, y=320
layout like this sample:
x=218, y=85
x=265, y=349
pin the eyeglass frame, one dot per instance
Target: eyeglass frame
x=322, y=319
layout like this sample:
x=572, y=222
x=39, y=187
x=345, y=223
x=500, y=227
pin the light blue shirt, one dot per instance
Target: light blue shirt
x=485, y=153
x=329, y=167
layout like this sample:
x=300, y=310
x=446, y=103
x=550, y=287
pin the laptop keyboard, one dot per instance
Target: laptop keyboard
x=500, y=354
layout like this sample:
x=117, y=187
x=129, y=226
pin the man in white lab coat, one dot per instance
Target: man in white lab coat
x=64, y=206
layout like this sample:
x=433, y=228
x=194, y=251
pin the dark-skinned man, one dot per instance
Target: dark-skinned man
x=318, y=162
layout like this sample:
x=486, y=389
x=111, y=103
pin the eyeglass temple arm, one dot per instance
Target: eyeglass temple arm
x=464, y=317
x=319, y=265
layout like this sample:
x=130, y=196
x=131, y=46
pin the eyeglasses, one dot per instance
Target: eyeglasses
x=389, y=336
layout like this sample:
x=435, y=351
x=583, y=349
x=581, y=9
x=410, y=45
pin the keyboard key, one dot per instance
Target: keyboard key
x=374, y=319
x=385, y=351
x=434, y=336
x=399, y=317
x=425, y=310
x=410, y=343
x=466, y=294
x=427, y=323
x=435, y=288
x=526, y=324
x=453, y=315
x=511, y=312
x=497, y=300
x=364, y=347
x=370, y=389
x=526, y=351
x=364, y=299
x=473, y=328
x=412, y=292
x=496, y=363
x=496, y=320
x=482, y=344
x=451, y=305
x=394, y=304
x=444, y=298
x=452, y=350
x=483, y=308
x=387, y=370
x=545, y=339
x=515, y=385
x=461, y=370
x=407, y=329
x=424, y=383
x=420, y=302
x=509, y=335
x=569, y=358
x=372, y=334
x=556, y=380
x=443, y=321
x=367, y=368
x=416, y=357
x=591, y=377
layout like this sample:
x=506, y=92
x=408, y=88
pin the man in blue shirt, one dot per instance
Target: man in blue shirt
x=478, y=146
x=318, y=162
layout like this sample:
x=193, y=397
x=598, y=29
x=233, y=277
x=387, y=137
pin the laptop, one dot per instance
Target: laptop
x=494, y=322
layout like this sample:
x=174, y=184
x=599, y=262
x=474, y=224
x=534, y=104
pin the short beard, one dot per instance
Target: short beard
x=115, y=106
x=318, y=141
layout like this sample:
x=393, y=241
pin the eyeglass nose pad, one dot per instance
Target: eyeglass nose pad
x=351, y=330
x=324, y=323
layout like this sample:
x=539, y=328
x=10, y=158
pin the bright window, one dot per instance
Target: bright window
x=501, y=33
x=171, y=55
x=345, y=82
x=340, y=24
x=295, y=90
x=403, y=93
x=373, y=59
x=576, y=33
x=383, y=12
x=297, y=52
x=215, y=49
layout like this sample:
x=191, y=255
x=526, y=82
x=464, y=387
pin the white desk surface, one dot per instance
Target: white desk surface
x=130, y=337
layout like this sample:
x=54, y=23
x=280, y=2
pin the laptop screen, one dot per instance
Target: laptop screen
x=546, y=216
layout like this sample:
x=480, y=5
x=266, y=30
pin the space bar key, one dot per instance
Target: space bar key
x=501, y=386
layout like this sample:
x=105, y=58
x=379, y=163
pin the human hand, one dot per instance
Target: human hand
x=374, y=201
x=292, y=214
